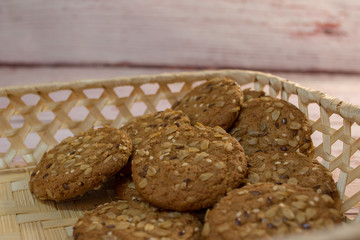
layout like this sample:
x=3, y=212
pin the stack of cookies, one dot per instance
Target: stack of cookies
x=221, y=164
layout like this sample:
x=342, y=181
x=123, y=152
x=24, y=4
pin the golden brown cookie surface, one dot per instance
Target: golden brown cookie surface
x=260, y=211
x=268, y=123
x=125, y=190
x=80, y=163
x=291, y=168
x=139, y=128
x=188, y=168
x=132, y=220
x=213, y=103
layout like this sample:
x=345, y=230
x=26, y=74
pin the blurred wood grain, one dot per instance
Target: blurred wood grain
x=286, y=35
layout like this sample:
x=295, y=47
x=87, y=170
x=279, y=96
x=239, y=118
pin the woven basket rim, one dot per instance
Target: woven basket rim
x=345, y=109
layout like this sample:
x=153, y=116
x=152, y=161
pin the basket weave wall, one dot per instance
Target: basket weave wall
x=34, y=118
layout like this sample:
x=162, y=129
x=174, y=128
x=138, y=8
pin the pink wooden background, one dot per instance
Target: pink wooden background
x=307, y=35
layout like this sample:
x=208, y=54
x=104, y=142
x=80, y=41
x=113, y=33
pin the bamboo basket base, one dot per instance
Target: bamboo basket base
x=25, y=217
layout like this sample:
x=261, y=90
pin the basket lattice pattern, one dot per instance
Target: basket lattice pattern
x=35, y=118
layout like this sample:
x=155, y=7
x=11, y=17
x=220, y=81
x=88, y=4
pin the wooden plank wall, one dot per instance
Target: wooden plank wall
x=286, y=35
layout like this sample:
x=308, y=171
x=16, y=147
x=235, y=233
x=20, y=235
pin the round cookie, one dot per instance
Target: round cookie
x=213, y=103
x=140, y=128
x=263, y=210
x=250, y=94
x=291, y=168
x=130, y=220
x=80, y=163
x=268, y=123
x=188, y=168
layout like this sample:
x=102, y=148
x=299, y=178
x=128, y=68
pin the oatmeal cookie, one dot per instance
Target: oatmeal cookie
x=268, y=123
x=291, y=168
x=131, y=220
x=263, y=210
x=213, y=103
x=80, y=163
x=188, y=167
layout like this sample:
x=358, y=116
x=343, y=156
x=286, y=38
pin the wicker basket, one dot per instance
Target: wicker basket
x=34, y=118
